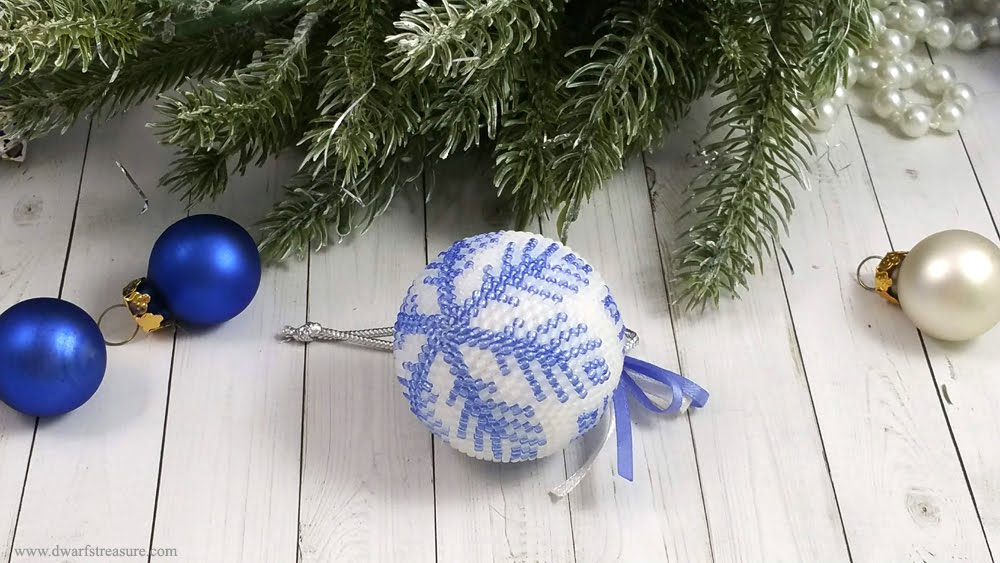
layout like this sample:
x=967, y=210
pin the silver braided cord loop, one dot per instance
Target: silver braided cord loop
x=373, y=337
x=315, y=332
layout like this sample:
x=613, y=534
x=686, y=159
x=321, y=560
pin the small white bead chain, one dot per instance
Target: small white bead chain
x=890, y=69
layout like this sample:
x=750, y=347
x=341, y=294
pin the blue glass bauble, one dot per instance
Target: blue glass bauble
x=52, y=357
x=205, y=269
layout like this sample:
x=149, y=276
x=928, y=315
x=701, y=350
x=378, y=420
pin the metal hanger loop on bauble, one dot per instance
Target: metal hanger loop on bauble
x=100, y=320
x=857, y=273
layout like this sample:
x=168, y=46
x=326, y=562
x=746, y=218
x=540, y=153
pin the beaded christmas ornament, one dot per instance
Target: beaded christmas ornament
x=508, y=346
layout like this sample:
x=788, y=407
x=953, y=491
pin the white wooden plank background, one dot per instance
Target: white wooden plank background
x=767, y=490
x=835, y=432
x=661, y=515
x=39, y=205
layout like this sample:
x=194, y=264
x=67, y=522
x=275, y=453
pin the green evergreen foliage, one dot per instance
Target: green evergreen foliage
x=374, y=90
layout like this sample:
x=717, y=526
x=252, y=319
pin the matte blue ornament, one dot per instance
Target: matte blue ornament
x=52, y=357
x=203, y=270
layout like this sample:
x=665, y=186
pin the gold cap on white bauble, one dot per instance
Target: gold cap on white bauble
x=949, y=285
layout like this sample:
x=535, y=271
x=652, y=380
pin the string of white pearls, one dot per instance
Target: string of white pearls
x=963, y=24
x=890, y=69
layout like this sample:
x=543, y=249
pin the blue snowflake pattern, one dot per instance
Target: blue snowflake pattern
x=586, y=421
x=541, y=353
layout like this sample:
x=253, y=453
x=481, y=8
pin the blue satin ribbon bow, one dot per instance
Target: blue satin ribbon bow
x=678, y=386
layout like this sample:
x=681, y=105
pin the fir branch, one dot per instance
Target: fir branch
x=839, y=27
x=198, y=175
x=254, y=114
x=525, y=148
x=225, y=15
x=739, y=203
x=468, y=104
x=614, y=95
x=316, y=206
x=466, y=107
x=363, y=116
x=62, y=34
x=40, y=103
x=463, y=36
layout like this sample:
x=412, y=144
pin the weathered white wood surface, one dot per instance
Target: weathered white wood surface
x=367, y=473
x=968, y=376
x=36, y=218
x=766, y=485
x=661, y=514
x=93, y=473
x=488, y=512
x=835, y=432
x=899, y=483
x=230, y=469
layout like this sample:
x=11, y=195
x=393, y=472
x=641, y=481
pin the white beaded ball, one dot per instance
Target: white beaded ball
x=508, y=346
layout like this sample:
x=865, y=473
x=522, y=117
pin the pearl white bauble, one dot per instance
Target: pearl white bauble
x=825, y=115
x=938, y=8
x=915, y=17
x=938, y=77
x=967, y=37
x=940, y=33
x=960, y=93
x=839, y=97
x=910, y=71
x=893, y=15
x=878, y=19
x=880, y=4
x=868, y=69
x=892, y=43
x=888, y=103
x=890, y=73
x=991, y=30
x=851, y=76
x=948, y=117
x=949, y=285
x=916, y=120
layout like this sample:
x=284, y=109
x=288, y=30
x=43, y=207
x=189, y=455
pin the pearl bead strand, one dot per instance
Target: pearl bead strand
x=890, y=69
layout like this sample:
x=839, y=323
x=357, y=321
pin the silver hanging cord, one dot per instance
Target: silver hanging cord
x=375, y=338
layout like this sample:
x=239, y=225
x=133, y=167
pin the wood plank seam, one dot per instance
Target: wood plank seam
x=62, y=283
x=975, y=174
x=812, y=403
x=302, y=423
x=424, y=197
x=650, y=175
x=163, y=444
x=923, y=344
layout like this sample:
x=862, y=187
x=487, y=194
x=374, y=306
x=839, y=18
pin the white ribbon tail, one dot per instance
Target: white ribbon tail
x=607, y=425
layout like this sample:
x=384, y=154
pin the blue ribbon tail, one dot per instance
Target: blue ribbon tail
x=623, y=432
x=677, y=388
x=679, y=385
